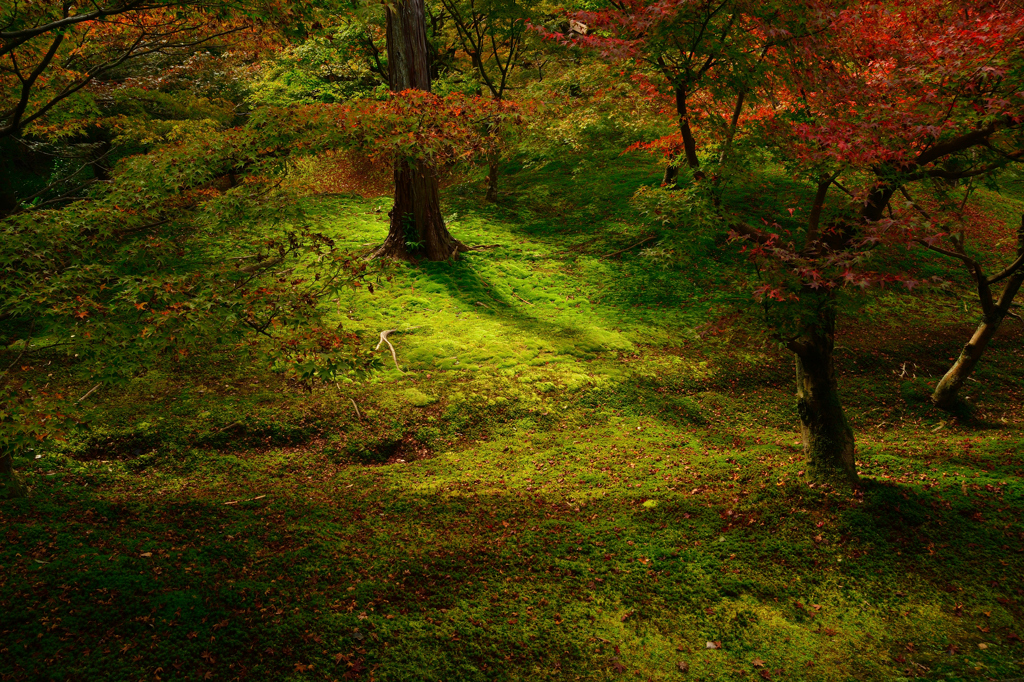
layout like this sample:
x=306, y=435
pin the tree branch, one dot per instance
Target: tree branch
x=1012, y=268
x=17, y=38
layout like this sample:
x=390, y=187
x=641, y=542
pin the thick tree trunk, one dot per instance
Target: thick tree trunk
x=828, y=438
x=949, y=386
x=417, y=227
x=10, y=485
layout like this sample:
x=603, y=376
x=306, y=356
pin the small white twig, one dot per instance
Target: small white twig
x=384, y=339
x=356, y=406
x=87, y=394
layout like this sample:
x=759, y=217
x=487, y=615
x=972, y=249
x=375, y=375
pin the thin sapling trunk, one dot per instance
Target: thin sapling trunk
x=948, y=388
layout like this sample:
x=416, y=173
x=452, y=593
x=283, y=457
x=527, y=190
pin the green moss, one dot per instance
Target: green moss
x=597, y=488
x=417, y=397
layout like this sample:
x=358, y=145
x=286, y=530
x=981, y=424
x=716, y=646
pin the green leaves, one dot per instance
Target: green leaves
x=201, y=242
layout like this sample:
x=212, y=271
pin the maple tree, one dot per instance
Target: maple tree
x=994, y=310
x=868, y=98
x=81, y=84
x=707, y=52
x=493, y=34
x=51, y=52
x=902, y=94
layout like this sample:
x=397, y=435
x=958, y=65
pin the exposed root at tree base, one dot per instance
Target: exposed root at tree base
x=398, y=250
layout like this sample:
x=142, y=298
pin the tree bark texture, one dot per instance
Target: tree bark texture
x=417, y=227
x=10, y=485
x=827, y=436
x=949, y=386
x=492, y=181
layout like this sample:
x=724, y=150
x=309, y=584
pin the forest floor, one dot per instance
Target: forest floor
x=587, y=467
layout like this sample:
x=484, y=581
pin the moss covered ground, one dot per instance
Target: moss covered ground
x=586, y=466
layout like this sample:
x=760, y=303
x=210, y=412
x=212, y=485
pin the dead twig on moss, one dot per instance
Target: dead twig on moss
x=384, y=339
x=642, y=241
x=521, y=298
x=229, y=426
x=87, y=394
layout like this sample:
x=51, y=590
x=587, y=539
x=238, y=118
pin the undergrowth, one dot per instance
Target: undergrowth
x=583, y=467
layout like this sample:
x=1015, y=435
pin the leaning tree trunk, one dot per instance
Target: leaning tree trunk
x=10, y=485
x=828, y=438
x=949, y=386
x=417, y=227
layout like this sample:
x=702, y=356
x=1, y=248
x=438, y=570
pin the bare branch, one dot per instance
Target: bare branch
x=1012, y=268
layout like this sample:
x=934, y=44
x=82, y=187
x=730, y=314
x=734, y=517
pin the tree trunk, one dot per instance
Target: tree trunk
x=689, y=143
x=492, y=180
x=949, y=386
x=417, y=227
x=10, y=485
x=827, y=437
x=671, y=174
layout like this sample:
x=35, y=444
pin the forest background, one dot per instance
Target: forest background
x=457, y=340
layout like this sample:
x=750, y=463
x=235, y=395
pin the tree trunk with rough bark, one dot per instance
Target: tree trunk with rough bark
x=10, y=485
x=417, y=227
x=827, y=436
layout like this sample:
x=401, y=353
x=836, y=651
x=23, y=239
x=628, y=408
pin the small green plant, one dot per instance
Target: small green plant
x=412, y=238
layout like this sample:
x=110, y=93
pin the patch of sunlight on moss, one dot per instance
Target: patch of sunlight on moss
x=417, y=397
